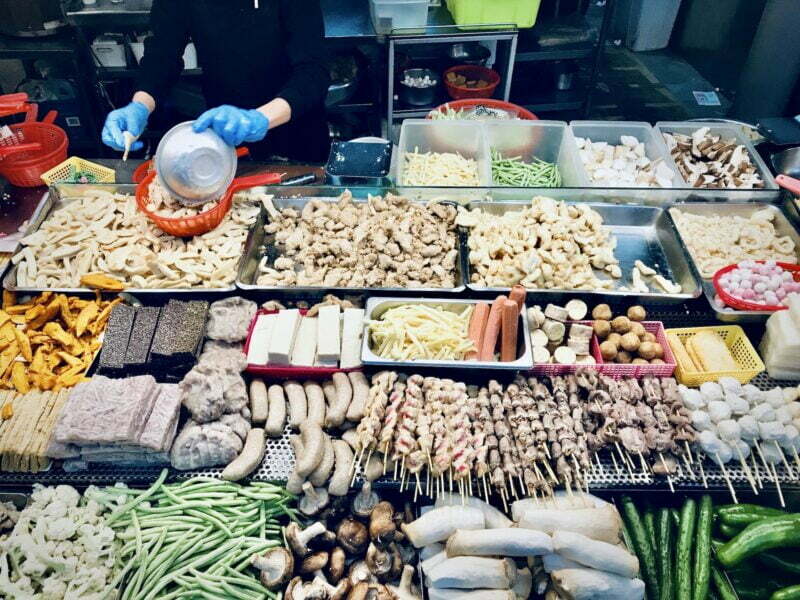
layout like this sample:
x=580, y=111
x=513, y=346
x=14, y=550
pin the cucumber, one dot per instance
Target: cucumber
x=641, y=546
x=788, y=593
x=666, y=555
x=722, y=585
x=683, y=559
x=702, y=549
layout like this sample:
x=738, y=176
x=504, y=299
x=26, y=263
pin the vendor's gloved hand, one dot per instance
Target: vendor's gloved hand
x=234, y=125
x=131, y=118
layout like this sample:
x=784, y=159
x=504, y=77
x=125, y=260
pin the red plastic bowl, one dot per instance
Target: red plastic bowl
x=514, y=109
x=738, y=303
x=472, y=72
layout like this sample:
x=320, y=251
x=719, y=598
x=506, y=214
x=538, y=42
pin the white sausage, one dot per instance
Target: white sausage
x=320, y=475
x=315, y=402
x=340, y=482
x=294, y=483
x=337, y=410
x=313, y=448
x=250, y=457
x=351, y=437
x=360, y=385
x=276, y=416
x=374, y=468
x=258, y=401
x=298, y=407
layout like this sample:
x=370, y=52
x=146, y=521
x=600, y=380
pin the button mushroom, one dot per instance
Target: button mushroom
x=298, y=539
x=382, y=527
x=313, y=500
x=365, y=501
x=275, y=566
x=352, y=536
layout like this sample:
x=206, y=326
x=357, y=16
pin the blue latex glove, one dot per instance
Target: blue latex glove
x=234, y=125
x=131, y=118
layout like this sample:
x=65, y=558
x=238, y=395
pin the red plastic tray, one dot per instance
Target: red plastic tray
x=555, y=370
x=287, y=372
x=740, y=304
x=621, y=370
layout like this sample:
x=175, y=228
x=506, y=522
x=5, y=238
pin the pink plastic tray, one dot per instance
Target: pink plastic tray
x=286, y=372
x=554, y=370
x=620, y=370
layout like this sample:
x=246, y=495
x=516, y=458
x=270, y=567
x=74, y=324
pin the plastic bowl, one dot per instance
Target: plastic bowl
x=471, y=72
x=514, y=111
x=740, y=304
x=194, y=167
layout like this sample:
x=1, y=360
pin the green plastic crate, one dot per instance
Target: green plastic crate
x=521, y=13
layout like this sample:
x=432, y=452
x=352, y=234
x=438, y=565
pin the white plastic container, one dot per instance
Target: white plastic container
x=550, y=141
x=726, y=131
x=460, y=137
x=611, y=132
x=390, y=15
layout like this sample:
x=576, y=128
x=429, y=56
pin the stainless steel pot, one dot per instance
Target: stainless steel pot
x=31, y=18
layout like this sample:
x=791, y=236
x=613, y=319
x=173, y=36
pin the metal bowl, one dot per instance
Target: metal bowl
x=415, y=96
x=469, y=53
x=194, y=167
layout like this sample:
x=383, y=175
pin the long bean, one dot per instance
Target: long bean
x=515, y=172
x=195, y=539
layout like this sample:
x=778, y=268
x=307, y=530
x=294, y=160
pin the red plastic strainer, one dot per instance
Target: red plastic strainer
x=740, y=304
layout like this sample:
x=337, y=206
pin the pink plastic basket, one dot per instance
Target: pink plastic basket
x=617, y=370
x=287, y=372
x=553, y=370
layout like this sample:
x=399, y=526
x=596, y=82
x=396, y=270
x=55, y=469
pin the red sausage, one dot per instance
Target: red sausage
x=518, y=293
x=477, y=327
x=492, y=330
x=508, y=345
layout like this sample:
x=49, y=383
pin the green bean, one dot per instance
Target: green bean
x=514, y=172
x=141, y=498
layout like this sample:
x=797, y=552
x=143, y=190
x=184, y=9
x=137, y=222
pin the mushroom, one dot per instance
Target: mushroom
x=382, y=527
x=359, y=572
x=379, y=562
x=294, y=589
x=313, y=563
x=365, y=501
x=319, y=589
x=298, y=539
x=335, y=570
x=275, y=566
x=406, y=589
x=353, y=536
x=324, y=541
x=313, y=500
x=369, y=591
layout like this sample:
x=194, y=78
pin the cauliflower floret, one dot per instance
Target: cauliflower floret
x=53, y=589
x=61, y=529
x=68, y=495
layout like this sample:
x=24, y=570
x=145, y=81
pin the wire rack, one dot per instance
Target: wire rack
x=279, y=458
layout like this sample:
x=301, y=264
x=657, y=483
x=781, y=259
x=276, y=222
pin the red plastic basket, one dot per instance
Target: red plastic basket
x=287, y=372
x=740, y=304
x=205, y=221
x=554, y=370
x=628, y=370
x=472, y=72
x=518, y=111
x=25, y=168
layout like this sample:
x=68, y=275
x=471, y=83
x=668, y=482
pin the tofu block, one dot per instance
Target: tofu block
x=283, y=337
x=258, y=350
x=305, y=344
x=352, y=333
x=329, y=344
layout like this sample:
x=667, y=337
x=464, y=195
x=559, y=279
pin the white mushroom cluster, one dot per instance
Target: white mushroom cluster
x=623, y=165
x=547, y=245
x=718, y=240
x=384, y=242
x=708, y=161
x=731, y=419
x=103, y=232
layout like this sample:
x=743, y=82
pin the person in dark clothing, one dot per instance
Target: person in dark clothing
x=263, y=71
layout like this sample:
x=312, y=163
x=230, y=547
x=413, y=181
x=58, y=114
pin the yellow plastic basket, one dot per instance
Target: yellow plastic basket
x=740, y=347
x=65, y=172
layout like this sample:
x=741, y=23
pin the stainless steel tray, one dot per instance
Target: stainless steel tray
x=61, y=195
x=782, y=226
x=643, y=233
x=377, y=306
x=260, y=244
